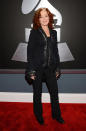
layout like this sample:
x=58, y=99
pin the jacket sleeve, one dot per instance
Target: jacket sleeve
x=30, y=51
x=57, y=56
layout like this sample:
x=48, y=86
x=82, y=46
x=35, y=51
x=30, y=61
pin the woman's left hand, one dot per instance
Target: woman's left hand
x=57, y=74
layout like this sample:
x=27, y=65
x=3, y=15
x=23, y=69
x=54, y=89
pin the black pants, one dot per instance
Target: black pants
x=52, y=86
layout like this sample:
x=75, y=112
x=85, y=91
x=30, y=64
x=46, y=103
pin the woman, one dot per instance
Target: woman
x=43, y=63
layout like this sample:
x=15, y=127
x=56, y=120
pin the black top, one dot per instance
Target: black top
x=46, y=59
x=36, y=50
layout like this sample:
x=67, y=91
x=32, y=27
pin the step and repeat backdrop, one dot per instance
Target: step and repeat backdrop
x=16, y=23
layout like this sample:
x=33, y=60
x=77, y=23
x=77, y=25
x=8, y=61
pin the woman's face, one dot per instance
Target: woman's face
x=44, y=18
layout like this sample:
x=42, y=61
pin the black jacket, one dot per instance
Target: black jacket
x=36, y=50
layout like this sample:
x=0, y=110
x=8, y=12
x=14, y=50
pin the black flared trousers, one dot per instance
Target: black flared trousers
x=51, y=83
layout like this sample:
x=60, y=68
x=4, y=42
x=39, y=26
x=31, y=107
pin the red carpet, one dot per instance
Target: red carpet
x=19, y=117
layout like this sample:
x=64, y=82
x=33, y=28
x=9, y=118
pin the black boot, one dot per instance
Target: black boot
x=40, y=120
x=59, y=119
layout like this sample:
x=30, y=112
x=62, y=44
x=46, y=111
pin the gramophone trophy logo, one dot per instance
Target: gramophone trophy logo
x=30, y=5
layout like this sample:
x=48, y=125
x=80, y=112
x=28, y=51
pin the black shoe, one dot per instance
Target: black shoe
x=40, y=120
x=60, y=120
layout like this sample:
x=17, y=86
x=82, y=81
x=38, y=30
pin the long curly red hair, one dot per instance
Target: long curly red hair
x=37, y=14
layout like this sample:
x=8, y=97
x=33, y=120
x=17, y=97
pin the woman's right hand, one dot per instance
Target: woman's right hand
x=33, y=77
